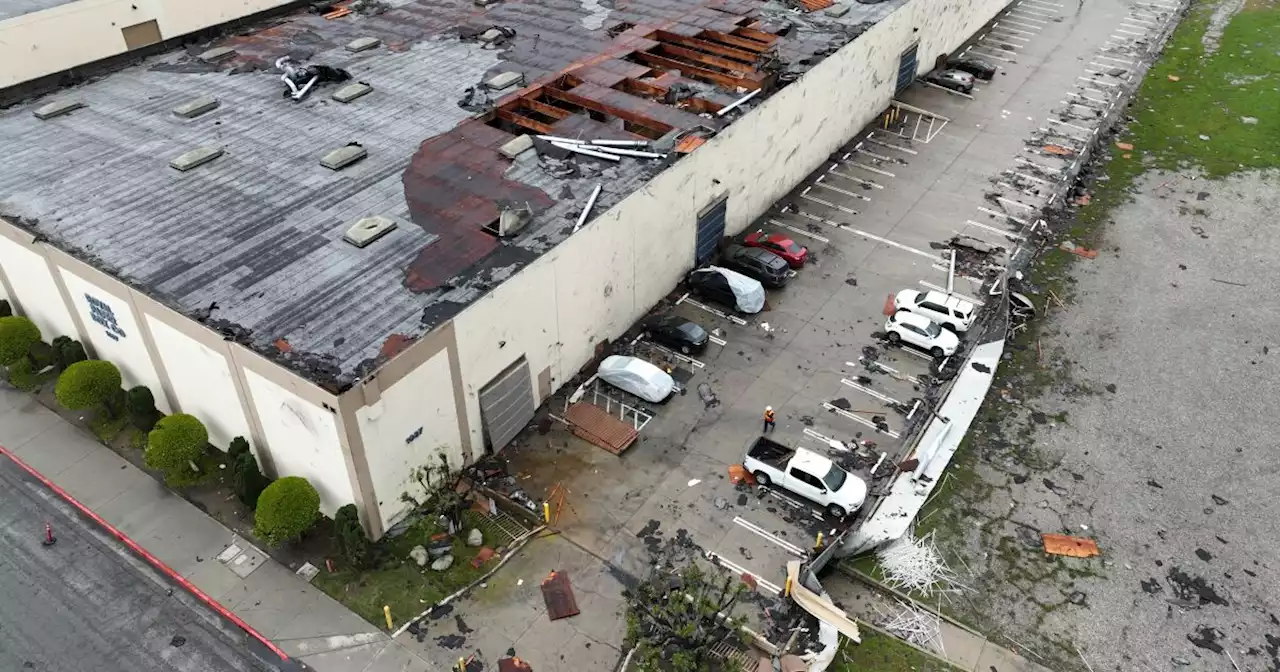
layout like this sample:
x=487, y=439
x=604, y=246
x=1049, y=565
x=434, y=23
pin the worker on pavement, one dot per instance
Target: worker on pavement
x=768, y=418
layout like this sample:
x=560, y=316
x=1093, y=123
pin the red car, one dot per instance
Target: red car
x=780, y=245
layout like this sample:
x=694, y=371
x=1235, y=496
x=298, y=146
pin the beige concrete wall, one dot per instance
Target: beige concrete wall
x=75, y=34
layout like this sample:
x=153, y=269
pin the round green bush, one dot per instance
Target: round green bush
x=286, y=509
x=17, y=335
x=87, y=384
x=176, y=442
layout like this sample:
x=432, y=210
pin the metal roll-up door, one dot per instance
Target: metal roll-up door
x=506, y=404
x=907, y=67
x=711, y=230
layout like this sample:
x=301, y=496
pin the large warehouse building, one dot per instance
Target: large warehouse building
x=176, y=217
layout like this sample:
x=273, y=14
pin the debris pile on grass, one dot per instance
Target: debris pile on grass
x=916, y=566
x=920, y=627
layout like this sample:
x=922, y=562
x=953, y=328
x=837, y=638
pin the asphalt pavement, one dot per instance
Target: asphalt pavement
x=86, y=603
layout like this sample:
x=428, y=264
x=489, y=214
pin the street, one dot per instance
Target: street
x=86, y=603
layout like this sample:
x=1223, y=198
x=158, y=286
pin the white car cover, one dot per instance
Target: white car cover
x=749, y=292
x=635, y=375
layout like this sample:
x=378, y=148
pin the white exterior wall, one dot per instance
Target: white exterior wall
x=201, y=379
x=303, y=440
x=114, y=334
x=605, y=277
x=35, y=290
x=406, y=428
x=42, y=43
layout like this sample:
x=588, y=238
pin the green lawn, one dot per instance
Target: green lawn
x=398, y=581
x=878, y=653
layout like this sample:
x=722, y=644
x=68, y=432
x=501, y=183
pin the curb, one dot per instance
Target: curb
x=151, y=559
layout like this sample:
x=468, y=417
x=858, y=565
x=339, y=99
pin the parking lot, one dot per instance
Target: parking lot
x=935, y=195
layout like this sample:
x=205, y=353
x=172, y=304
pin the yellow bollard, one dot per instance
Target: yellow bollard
x=818, y=544
x=386, y=611
x=546, y=512
x=462, y=665
x=786, y=589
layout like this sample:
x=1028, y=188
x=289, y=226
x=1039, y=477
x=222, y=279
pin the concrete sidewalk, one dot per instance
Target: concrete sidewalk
x=302, y=621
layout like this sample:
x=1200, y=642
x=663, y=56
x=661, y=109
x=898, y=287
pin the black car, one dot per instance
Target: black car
x=677, y=333
x=974, y=66
x=956, y=80
x=754, y=262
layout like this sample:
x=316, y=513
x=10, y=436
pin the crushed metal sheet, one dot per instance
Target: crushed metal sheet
x=1075, y=547
x=557, y=593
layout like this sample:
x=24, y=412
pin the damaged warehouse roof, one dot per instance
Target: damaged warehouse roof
x=204, y=180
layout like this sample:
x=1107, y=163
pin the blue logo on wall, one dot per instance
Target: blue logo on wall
x=102, y=314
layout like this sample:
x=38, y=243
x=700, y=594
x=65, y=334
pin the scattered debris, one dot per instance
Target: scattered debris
x=915, y=565
x=694, y=481
x=1068, y=246
x=1174, y=78
x=1228, y=282
x=738, y=474
x=300, y=79
x=557, y=593
x=475, y=538
x=916, y=626
x=1075, y=547
x=1058, y=150
x=1124, y=146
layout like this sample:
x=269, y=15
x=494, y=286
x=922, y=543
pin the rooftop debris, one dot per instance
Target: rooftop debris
x=558, y=596
x=1068, y=246
x=915, y=565
x=299, y=79
x=1075, y=547
x=916, y=626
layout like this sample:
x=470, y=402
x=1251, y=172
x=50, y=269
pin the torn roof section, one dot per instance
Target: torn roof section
x=196, y=177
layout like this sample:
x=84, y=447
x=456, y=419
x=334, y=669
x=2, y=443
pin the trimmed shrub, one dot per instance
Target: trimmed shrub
x=68, y=351
x=17, y=335
x=353, y=545
x=87, y=384
x=177, y=441
x=5, y=309
x=239, y=446
x=141, y=406
x=22, y=375
x=248, y=482
x=41, y=355
x=286, y=509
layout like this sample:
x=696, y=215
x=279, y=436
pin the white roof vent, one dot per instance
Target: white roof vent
x=196, y=157
x=343, y=156
x=513, y=220
x=57, y=109
x=194, y=108
x=351, y=91
x=362, y=44
x=369, y=229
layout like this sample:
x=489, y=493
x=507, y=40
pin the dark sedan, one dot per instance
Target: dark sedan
x=677, y=333
x=974, y=66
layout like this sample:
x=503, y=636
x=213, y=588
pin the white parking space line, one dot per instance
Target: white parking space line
x=1028, y=17
x=1025, y=176
x=1130, y=32
x=870, y=236
x=894, y=373
x=805, y=195
x=987, y=44
x=937, y=288
x=1109, y=66
x=1015, y=203
x=1004, y=34
x=998, y=26
x=1007, y=234
x=1098, y=82
x=1103, y=103
x=684, y=358
x=904, y=348
x=796, y=229
x=1006, y=215
x=1026, y=28
x=832, y=170
x=945, y=89
x=871, y=393
x=1073, y=127
x=1037, y=4
x=873, y=155
x=1097, y=73
x=985, y=55
x=769, y=536
x=1144, y=22
x=718, y=313
x=810, y=434
x=739, y=570
x=819, y=183
x=870, y=169
x=860, y=420
x=890, y=145
x=1035, y=11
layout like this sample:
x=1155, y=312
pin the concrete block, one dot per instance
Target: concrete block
x=197, y=107
x=369, y=229
x=351, y=91
x=838, y=10
x=363, y=44
x=517, y=147
x=217, y=54
x=57, y=109
x=491, y=35
x=343, y=156
x=504, y=80
x=196, y=157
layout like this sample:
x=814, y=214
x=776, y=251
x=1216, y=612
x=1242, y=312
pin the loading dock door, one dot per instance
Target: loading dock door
x=710, y=230
x=506, y=404
x=907, y=68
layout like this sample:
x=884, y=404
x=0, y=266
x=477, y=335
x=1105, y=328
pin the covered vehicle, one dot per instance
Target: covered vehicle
x=794, y=254
x=727, y=288
x=677, y=333
x=638, y=377
x=808, y=474
x=956, y=80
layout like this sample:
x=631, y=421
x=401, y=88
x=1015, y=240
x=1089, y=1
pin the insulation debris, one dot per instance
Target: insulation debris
x=916, y=626
x=915, y=565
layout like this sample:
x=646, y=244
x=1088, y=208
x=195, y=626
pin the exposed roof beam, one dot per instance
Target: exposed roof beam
x=742, y=42
x=706, y=59
x=581, y=101
x=696, y=72
x=525, y=122
x=549, y=110
x=707, y=46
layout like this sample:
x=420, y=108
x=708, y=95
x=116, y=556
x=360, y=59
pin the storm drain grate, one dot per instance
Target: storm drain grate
x=500, y=528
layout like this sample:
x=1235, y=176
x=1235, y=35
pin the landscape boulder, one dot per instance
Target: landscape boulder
x=419, y=555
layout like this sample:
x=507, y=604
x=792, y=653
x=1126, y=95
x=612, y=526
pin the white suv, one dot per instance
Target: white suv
x=920, y=331
x=947, y=310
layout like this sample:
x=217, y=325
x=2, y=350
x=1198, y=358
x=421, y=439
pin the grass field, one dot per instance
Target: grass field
x=878, y=653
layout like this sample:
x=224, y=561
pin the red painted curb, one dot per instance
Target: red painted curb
x=155, y=562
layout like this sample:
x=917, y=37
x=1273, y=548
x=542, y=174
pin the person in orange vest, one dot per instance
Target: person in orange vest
x=768, y=418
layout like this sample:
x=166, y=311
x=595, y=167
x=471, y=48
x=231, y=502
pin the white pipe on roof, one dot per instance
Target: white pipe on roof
x=556, y=138
x=630, y=152
x=582, y=150
x=621, y=143
x=725, y=110
x=591, y=203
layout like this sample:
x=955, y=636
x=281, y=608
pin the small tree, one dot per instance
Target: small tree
x=67, y=352
x=353, y=545
x=173, y=447
x=286, y=509
x=87, y=384
x=439, y=488
x=17, y=335
x=141, y=405
x=248, y=482
x=239, y=446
